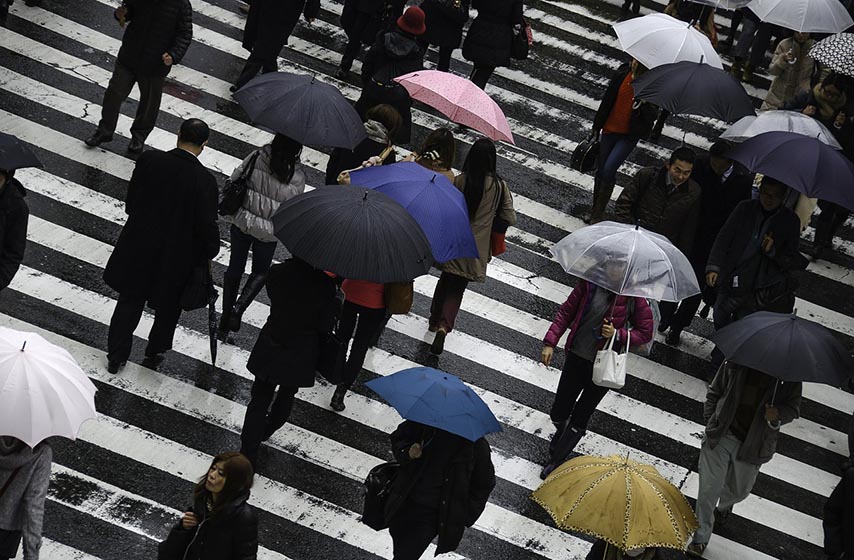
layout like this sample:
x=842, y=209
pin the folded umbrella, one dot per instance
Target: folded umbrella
x=836, y=52
x=780, y=121
x=435, y=203
x=657, y=39
x=437, y=399
x=811, y=16
x=802, y=163
x=786, y=347
x=309, y=111
x=14, y=154
x=354, y=232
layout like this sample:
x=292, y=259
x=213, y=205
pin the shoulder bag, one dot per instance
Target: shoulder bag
x=497, y=240
x=234, y=192
x=585, y=155
x=199, y=289
x=344, y=176
x=377, y=488
x=609, y=369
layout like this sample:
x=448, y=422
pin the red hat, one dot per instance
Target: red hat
x=412, y=21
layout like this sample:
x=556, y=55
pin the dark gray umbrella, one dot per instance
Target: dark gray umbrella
x=786, y=347
x=354, y=232
x=14, y=154
x=309, y=111
x=692, y=88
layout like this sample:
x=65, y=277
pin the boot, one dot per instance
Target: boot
x=747, y=75
x=250, y=290
x=737, y=68
x=559, y=428
x=337, y=402
x=229, y=296
x=600, y=201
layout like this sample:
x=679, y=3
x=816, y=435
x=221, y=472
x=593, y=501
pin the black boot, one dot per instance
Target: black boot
x=600, y=202
x=559, y=428
x=250, y=290
x=229, y=297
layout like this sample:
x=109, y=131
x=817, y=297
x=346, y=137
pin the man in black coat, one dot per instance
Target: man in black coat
x=158, y=35
x=171, y=229
x=14, y=216
x=839, y=520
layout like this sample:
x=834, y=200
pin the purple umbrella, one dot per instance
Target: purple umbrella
x=801, y=162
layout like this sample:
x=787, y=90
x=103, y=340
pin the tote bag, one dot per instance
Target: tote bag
x=609, y=369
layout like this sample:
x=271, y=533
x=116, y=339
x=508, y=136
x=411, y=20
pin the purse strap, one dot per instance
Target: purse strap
x=250, y=167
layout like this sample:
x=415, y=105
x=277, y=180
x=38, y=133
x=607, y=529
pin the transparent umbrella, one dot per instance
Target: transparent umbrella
x=724, y=4
x=628, y=260
x=780, y=121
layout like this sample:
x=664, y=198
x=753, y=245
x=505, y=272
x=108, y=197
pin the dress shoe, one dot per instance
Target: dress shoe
x=136, y=146
x=337, y=402
x=547, y=470
x=98, y=138
x=114, y=366
x=342, y=74
x=721, y=516
x=438, y=342
x=153, y=361
x=673, y=337
x=663, y=326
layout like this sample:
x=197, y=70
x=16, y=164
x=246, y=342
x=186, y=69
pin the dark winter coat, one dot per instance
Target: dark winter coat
x=231, y=535
x=488, y=41
x=839, y=519
x=643, y=117
x=171, y=205
x=302, y=310
x=444, y=22
x=271, y=22
x=674, y=215
x=22, y=503
x=14, y=217
x=342, y=159
x=382, y=13
x=155, y=27
x=469, y=478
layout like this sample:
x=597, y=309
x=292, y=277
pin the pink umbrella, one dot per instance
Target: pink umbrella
x=459, y=100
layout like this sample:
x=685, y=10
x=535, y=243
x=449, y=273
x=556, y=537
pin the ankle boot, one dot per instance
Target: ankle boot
x=559, y=428
x=337, y=402
x=229, y=296
x=600, y=201
x=250, y=290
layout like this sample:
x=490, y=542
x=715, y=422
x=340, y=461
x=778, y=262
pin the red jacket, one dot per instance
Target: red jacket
x=569, y=316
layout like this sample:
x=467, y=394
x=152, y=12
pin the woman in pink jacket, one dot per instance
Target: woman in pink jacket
x=593, y=315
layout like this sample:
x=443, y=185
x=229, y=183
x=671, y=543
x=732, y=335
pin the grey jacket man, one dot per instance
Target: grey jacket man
x=22, y=502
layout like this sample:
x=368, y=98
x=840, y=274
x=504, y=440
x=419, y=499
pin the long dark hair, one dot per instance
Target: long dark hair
x=439, y=148
x=480, y=162
x=238, y=474
x=284, y=155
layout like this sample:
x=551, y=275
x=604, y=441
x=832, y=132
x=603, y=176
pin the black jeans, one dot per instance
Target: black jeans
x=120, y=86
x=481, y=74
x=261, y=418
x=576, y=379
x=412, y=529
x=125, y=319
x=370, y=323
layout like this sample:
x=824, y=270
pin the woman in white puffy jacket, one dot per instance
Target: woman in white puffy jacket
x=276, y=176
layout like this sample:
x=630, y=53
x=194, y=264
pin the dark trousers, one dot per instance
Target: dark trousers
x=125, y=319
x=444, y=63
x=354, y=41
x=576, y=380
x=120, y=86
x=634, y=4
x=829, y=221
x=255, y=64
x=262, y=258
x=481, y=74
x=679, y=315
x=412, y=529
x=264, y=415
x=370, y=323
x=447, y=299
x=729, y=308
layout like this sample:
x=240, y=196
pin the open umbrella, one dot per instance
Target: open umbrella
x=460, y=100
x=627, y=260
x=437, y=399
x=298, y=105
x=811, y=16
x=354, y=232
x=14, y=154
x=725, y=4
x=786, y=347
x=803, y=163
x=691, y=88
x=437, y=206
x=623, y=502
x=779, y=121
x=657, y=39
x=43, y=392
x=836, y=52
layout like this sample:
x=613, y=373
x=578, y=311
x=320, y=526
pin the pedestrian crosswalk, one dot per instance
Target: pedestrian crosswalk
x=116, y=491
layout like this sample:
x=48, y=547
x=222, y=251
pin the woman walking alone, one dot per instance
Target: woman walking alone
x=219, y=524
x=276, y=176
x=487, y=198
x=489, y=39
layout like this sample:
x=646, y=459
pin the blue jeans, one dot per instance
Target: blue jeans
x=613, y=151
x=241, y=243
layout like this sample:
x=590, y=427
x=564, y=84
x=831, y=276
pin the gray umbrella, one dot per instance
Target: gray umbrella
x=14, y=154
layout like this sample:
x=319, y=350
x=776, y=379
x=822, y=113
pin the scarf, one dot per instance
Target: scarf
x=377, y=132
x=827, y=109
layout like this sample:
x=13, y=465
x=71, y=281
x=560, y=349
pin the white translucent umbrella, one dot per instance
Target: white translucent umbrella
x=43, y=392
x=725, y=4
x=627, y=260
x=780, y=121
x=657, y=39
x=812, y=16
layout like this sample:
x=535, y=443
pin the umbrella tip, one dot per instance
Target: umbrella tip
x=365, y=197
x=24, y=346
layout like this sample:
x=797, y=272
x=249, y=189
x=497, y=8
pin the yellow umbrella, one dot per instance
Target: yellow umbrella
x=623, y=502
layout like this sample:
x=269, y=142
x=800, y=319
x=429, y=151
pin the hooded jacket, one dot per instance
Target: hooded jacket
x=22, y=503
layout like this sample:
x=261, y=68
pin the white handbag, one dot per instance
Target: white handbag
x=609, y=369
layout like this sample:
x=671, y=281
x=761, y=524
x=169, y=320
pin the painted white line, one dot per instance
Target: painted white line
x=53, y=550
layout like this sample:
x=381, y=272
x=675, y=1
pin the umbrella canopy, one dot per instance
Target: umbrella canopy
x=623, y=502
x=627, y=260
x=354, y=232
x=458, y=99
x=657, y=39
x=802, y=163
x=43, y=392
x=780, y=121
x=14, y=154
x=836, y=52
x=429, y=197
x=812, y=16
x=725, y=4
x=786, y=347
x=437, y=399
x=675, y=88
x=309, y=111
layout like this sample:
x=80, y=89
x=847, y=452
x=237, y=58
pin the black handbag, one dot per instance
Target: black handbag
x=377, y=488
x=520, y=47
x=234, y=192
x=585, y=155
x=199, y=289
x=330, y=361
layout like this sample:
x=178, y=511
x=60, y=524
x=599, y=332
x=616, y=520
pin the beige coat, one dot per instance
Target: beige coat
x=789, y=79
x=481, y=227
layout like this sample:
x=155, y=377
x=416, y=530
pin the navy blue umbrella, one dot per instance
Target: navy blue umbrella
x=429, y=197
x=803, y=163
x=14, y=154
x=437, y=399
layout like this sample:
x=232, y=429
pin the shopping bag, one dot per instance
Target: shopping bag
x=609, y=369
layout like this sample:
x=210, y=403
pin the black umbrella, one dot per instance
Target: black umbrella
x=786, y=347
x=692, y=88
x=309, y=111
x=14, y=154
x=354, y=232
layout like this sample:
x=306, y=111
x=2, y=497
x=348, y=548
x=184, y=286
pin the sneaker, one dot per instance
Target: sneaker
x=438, y=342
x=696, y=550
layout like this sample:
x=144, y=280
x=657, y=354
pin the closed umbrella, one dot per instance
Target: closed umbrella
x=810, y=16
x=354, y=232
x=836, y=52
x=657, y=39
x=298, y=105
x=14, y=154
x=627, y=260
x=780, y=121
x=43, y=392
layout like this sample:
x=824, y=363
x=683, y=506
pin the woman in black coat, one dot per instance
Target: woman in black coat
x=445, y=20
x=441, y=488
x=302, y=310
x=489, y=39
x=219, y=524
x=381, y=124
x=14, y=216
